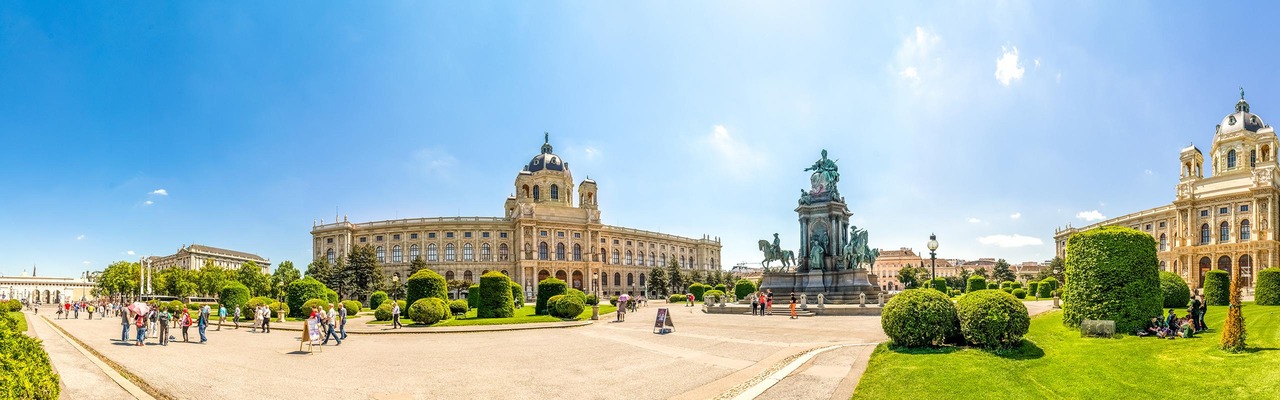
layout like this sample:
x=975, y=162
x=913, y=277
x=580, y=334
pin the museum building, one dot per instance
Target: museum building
x=543, y=233
x=1220, y=221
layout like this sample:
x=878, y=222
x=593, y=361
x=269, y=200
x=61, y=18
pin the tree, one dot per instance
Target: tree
x=675, y=279
x=456, y=287
x=909, y=277
x=177, y=282
x=658, y=280
x=1058, y=267
x=396, y=290
x=251, y=276
x=982, y=272
x=284, y=275
x=212, y=278
x=697, y=276
x=1001, y=271
x=964, y=277
x=416, y=265
x=119, y=279
x=321, y=270
x=362, y=275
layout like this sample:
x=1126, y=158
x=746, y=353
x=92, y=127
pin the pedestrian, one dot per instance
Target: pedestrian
x=59, y=313
x=769, y=301
x=67, y=306
x=395, y=315
x=124, y=323
x=164, y=327
x=793, y=305
x=329, y=321
x=237, y=317
x=185, y=323
x=141, y=322
x=689, y=297
x=222, y=316
x=90, y=312
x=755, y=304
x=202, y=323
x=76, y=308
x=257, y=319
x=342, y=325
x=1200, y=315
x=266, y=319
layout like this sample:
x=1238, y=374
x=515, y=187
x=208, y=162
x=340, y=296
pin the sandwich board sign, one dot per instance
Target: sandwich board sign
x=663, y=324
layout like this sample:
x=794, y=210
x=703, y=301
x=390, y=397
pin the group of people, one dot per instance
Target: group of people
x=261, y=318
x=1171, y=326
x=155, y=323
x=73, y=309
x=337, y=319
x=762, y=303
x=626, y=304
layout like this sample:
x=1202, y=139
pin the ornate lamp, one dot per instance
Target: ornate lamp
x=933, y=248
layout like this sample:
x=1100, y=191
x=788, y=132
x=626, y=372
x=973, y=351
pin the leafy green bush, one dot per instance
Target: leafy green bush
x=1006, y=285
x=1112, y=273
x=517, y=294
x=428, y=310
x=321, y=304
x=919, y=317
x=565, y=306
x=1175, y=291
x=1031, y=288
x=193, y=306
x=592, y=300
x=993, y=285
x=425, y=283
x=246, y=312
x=1268, y=289
x=714, y=295
x=1217, y=287
x=383, y=312
x=975, y=283
x=955, y=292
x=232, y=295
x=299, y=292
x=25, y=371
x=677, y=298
x=1016, y=285
x=720, y=287
x=1020, y=293
x=939, y=284
x=174, y=306
x=743, y=288
x=698, y=290
x=458, y=306
x=278, y=309
x=353, y=307
x=576, y=293
x=495, y=296
x=1047, y=287
x=546, y=289
x=473, y=296
x=377, y=298
x=331, y=295
x=992, y=318
x=613, y=300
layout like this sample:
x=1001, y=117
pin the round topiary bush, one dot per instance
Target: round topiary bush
x=232, y=295
x=919, y=317
x=714, y=295
x=992, y=319
x=383, y=312
x=517, y=294
x=1006, y=285
x=473, y=296
x=577, y=293
x=321, y=304
x=698, y=290
x=1217, y=287
x=1268, y=289
x=278, y=309
x=1047, y=287
x=975, y=283
x=456, y=307
x=1016, y=285
x=677, y=298
x=1175, y=290
x=353, y=307
x=1020, y=293
x=176, y=306
x=613, y=300
x=299, y=292
x=993, y=285
x=720, y=287
x=546, y=289
x=743, y=288
x=429, y=310
x=425, y=283
x=377, y=298
x=939, y=284
x=331, y=295
x=495, y=296
x=565, y=306
x=592, y=300
x=1031, y=288
x=1112, y=274
x=246, y=312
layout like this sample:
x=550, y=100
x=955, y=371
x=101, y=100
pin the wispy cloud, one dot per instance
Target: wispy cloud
x=740, y=158
x=1016, y=215
x=1014, y=240
x=973, y=220
x=1007, y=67
x=81, y=237
x=1148, y=172
x=916, y=56
x=160, y=192
x=1091, y=215
x=148, y=202
x=435, y=163
x=130, y=252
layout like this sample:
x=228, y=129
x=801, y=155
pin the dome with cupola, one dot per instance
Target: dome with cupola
x=1242, y=119
x=546, y=160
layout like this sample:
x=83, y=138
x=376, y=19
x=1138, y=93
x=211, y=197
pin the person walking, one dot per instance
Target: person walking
x=164, y=327
x=76, y=308
x=237, y=317
x=141, y=322
x=90, y=312
x=257, y=319
x=755, y=304
x=793, y=305
x=328, y=317
x=1199, y=320
x=342, y=324
x=185, y=322
x=152, y=317
x=66, y=306
x=124, y=323
x=395, y=315
x=202, y=323
x=266, y=319
x=769, y=301
x=222, y=316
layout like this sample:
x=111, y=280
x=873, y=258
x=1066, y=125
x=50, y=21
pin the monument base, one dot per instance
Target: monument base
x=837, y=287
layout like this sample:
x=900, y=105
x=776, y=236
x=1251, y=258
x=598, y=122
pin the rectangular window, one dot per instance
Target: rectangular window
x=615, y=241
x=413, y=236
x=1204, y=213
x=628, y=243
x=542, y=233
x=395, y=237
x=484, y=235
x=1162, y=225
x=1148, y=226
x=378, y=238
x=502, y=235
x=329, y=240
x=363, y=239
x=560, y=234
x=467, y=235
x=431, y=235
x=1244, y=208
x=448, y=235
x=1222, y=210
x=577, y=235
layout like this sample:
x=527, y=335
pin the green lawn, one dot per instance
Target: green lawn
x=524, y=315
x=22, y=320
x=1055, y=362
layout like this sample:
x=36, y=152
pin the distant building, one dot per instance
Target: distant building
x=195, y=256
x=44, y=289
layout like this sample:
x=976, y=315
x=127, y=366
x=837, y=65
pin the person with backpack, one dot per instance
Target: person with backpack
x=141, y=323
x=185, y=322
x=163, y=322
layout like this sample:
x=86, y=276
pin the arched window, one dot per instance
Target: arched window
x=432, y=255
x=617, y=279
x=413, y=252
x=653, y=259
x=542, y=251
x=1231, y=159
x=448, y=275
x=537, y=192
x=1204, y=234
x=330, y=255
x=615, y=258
x=1164, y=242
x=382, y=254
x=713, y=264
x=642, y=279
x=504, y=253
x=555, y=192
x=525, y=191
x=631, y=279
x=1244, y=230
x=467, y=276
x=629, y=258
x=396, y=254
x=1224, y=232
x=664, y=259
x=560, y=251
x=640, y=258
x=577, y=252
x=467, y=253
x=683, y=263
x=486, y=252
x=450, y=253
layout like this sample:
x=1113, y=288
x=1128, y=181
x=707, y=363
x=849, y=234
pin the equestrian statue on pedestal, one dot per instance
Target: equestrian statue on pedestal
x=774, y=252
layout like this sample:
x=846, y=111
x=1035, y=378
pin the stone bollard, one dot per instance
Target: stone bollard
x=1055, y=301
x=862, y=299
x=881, y=299
x=804, y=301
x=722, y=298
x=821, y=300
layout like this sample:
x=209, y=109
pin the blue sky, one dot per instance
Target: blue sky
x=132, y=129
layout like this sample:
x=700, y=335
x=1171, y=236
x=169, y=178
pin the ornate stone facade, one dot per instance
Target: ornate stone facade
x=45, y=290
x=195, y=256
x=541, y=234
x=1215, y=222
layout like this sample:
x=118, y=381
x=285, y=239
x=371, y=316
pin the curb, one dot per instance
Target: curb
x=443, y=329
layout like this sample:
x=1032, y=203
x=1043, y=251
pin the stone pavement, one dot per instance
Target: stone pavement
x=81, y=377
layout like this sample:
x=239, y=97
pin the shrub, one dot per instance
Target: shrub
x=975, y=283
x=175, y=306
x=495, y=296
x=1020, y=293
x=1006, y=285
x=720, y=287
x=576, y=293
x=331, y=295
x=546, y=289
x=425, y=283
x=992, y=319
x=517, y=294
x=919, y=317
x=1175, y=291
x=592, y=300
x=1268, y=287
x=993, y=285
x=193, y=306
x=613, y=300
x=232, y=295
x=714, y=295
x=1111, y=274
x=299, y=292
x=25, y=371
x=377, y=298
x=939, y=284
x=404, y=307
x=1217, y=284
x=565, y=306
x=305, y=310
x=473, y=296
x=383, y=312
x=1031, y=288
x=955, y=292
x=278, y=309
x=1048, y=286
x=743, y=288
x=1016, y=285
x=458, y=306
x=353, y=307
x=677, y=298
x=246, y=312
x=1233, y=329
x=14, y=305
x=428, y=310
x=698, y=290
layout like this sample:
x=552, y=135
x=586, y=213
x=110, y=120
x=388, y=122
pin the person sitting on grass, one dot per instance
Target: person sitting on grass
x=1186, y=328
x=1152, y=328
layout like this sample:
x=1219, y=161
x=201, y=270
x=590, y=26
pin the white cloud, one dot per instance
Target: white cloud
x=916, y=58
x=592, y=153
x=910, y=73
x=81, y=237
x=1007, y=68
x=160, y=192
x=735, y=154
x=1091, y=215
x=1148, y=172
x=1037, y=61
x=85, y=262
x=1102, y=204
x=1016, y=215
x=435, y=163
x=1014, y=240
x=148, y=202
x=130, y=252
x=973, y=220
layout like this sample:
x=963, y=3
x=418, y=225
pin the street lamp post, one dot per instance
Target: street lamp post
x=933, y=256
x=595, y=284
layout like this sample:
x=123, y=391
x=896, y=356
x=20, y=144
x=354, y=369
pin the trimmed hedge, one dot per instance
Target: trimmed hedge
x=993, y=286
x=1217, y=287
x=1047, y=286
x=383, y=312
x=1267, y=292
x=300, y=291
x=517, y=293
x=428, y=310
x=473, y=296
x=1175, y=290
x=743, y=288
x=353, y=307
x=992, y=319
x=714, y=295
x=677, y=298
x=975, y=283
x=232, y=295
x=425, y=283
x=593, y=299
x=1006, y=285
x=565, y=306
x=577, y=293
x=25, y=371
x=458, y=306
x=495, y=296
x=939, y=284
x=1020, y=293
x=377, y=298
x=920, y=317
x=246, y=312
x=1032, y=288
x=278, y=309
x=305, y=310
x=176, y=306
x=698, y=290
x=331, y=295
x=546, y=289
x=1016, y=285
x=613, y=300
x=720, y=287
x=13, y=305
x=1112, y=274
